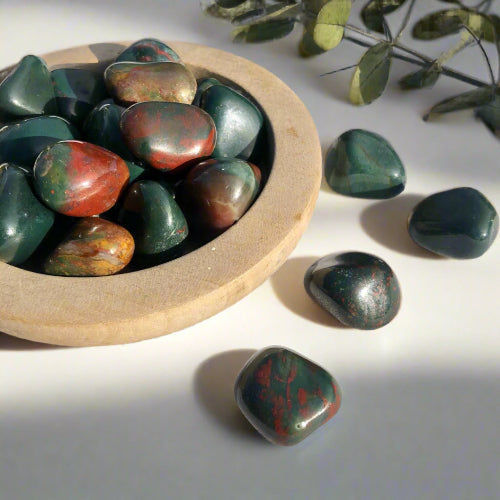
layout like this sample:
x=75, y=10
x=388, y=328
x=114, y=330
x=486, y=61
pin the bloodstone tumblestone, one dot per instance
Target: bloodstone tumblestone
x=94, y=247
x=78, y=178
x=285, y=396
x=148, y=50
x=24, y=221
x=168, y=135
x=460, y=223
x=358, y=289
x=216, y=193
x=202, y=85
x=362, y=164
x=131, y=82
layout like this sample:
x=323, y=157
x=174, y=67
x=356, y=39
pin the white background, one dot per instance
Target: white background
x=157, y=420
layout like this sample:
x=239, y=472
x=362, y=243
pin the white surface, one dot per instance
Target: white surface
x=157, y=420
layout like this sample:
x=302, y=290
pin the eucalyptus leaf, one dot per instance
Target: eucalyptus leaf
x=307, y=45
x=467, y=100
x=490, y=115
x=229, y=9
x=264, y=14
x=371, y=75
x=374, y=11
x=424, y=77
x=263, y=32
x=330, y=23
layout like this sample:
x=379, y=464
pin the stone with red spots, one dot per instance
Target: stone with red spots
x=167, y=135
x=358, y=289
x=148, y=50
x=285, y=396
x=79, y=179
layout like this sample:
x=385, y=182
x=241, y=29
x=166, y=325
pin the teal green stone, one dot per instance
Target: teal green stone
x=285, y=396
x=23, y=141
x=102, y=127
x=24, y=221
x=77, y=91
x=27, y=91
x=202, y=85
x=148, y=50
x=238, y=121
x=153, y=217
x=364, y=165
x=358, y=289
x=460, y=223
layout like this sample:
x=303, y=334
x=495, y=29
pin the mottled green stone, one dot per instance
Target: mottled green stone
x=460, y=223
x=154, y=219
x=27, y=91
x=202, y=85
x=23, y=141
x=358, y=289
x=362, y=164
x=24, y=221
x=77, y=91
x=102, y=127
x=285, y=396
x=148, y=50
x=238, y=121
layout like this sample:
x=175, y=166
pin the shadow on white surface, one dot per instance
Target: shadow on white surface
x=11, y=343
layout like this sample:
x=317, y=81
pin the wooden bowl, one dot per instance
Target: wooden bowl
x=152, y=302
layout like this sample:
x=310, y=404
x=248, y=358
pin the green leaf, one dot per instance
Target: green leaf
x=330, y=23
x=313, y=7
x=374, y=11
x=467, y=100
x=263, y=32
x=371, y=75
x=265, y=14
x=229, y=9
x=425, y=77
x=307, y=45
x=490, y=115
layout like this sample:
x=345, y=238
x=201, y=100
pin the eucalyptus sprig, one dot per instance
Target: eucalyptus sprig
x=326, y=24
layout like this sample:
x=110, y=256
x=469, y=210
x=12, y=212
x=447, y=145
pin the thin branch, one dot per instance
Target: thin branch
x=339, y=70
x=405, y=20
x=485, y=55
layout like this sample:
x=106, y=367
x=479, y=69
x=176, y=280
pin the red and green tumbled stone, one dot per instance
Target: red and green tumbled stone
x=79, y=179
x=148, y=50
x=285, y=396
x=168, y=135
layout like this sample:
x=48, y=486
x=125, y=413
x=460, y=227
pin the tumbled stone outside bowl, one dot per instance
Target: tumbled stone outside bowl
x=149, y=303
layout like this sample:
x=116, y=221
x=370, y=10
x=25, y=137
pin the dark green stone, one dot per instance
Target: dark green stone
x=358, y=289
x=202, y=85
x=102, y=127
x=24, y=221
x=148, y=50
x=285, y=396
x=23, y=141
x=27, y=91
x=460, y=223
x=77, y=91
x=237, y=120
x=364, y=165
x=154, y=219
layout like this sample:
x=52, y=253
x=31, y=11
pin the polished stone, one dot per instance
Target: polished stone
x=161, y=81
x=148, y=50
x=154, y=219
x=21, y=142
x=460, y=223
x=102, y=127
x=77, y=91
x=362, y=164
x=27, y=91
x=238, y=121
x=168, y=135
x=202, y=85
x=94, y=247
x=358, y=289
x=216, y=193
x=285, y=396
x=79, y=179
x=24, y=221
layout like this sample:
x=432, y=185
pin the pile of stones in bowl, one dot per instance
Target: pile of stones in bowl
x=101, y=173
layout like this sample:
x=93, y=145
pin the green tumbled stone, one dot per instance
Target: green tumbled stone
x=24, y=221
x=77, y=91
x=362, y=164
x=237, y=120
x=459, y=223
x=358, y=289
x=23, y=141
x=285, y=396
x=27, y=91
x=154, y=219
x=202, y=85
x=148, y=50
x=102, y=127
